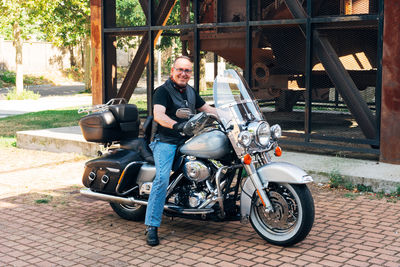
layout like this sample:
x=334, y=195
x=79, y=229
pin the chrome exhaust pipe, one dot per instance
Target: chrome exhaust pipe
x=131, y=201
x=115, y=199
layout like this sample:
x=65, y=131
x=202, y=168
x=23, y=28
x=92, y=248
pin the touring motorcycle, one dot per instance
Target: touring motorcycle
x=223, y=172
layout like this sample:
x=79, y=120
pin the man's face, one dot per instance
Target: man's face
x=181, y=71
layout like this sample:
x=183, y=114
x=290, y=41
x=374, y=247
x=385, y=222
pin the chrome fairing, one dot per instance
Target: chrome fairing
x=211, y=145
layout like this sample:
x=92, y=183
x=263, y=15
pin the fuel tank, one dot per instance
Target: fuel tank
x=211, y=145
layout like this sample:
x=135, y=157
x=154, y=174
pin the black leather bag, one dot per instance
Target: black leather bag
x=103, y=174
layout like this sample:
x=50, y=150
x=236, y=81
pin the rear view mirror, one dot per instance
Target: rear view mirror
x=184, y=113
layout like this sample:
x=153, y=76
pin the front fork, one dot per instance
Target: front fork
x=252, y=172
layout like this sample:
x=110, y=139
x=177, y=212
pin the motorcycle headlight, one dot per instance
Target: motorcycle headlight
x=245, y=138
x=276, y=131
x=263, y=134
x=261, y=131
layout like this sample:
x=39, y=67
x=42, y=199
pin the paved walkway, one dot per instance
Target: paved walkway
x=71, y=230
x=45, y=222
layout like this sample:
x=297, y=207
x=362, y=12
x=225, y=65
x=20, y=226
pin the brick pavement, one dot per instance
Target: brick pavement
x=72, y=230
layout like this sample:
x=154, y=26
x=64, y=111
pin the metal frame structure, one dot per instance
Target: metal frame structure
x=104, y=32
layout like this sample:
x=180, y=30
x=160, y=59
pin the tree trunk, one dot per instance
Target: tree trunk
x=19, y=79
x=202, y=82
x=87, y=65
x=72, y=59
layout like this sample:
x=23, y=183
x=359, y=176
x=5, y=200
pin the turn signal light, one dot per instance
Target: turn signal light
x=247, y=159
x=278, y=151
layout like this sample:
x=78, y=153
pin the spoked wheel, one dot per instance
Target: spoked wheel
x=292, y=218
x=134, y=212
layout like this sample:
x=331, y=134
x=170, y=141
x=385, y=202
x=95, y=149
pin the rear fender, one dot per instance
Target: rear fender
x=279, y=172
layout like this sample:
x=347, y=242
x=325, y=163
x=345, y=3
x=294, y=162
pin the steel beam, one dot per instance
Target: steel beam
x=140, y=60
x=110, y=52
x=338, y=74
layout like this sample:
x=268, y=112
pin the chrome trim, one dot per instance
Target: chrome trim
x=105, y=179
x=173, y=184
x=131, y=200
x=145, y=188
x=110, y=198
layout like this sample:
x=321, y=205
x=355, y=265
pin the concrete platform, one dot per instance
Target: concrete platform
x=380, y=176
x=64, y=139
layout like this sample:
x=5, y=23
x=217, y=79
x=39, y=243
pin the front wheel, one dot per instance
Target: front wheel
x=134, y=212
x=292, y=218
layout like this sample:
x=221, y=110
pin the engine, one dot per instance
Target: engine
x=189, y=196
x=197, y=171
x=193, y=191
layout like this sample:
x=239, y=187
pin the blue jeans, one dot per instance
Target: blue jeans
x=163, y=154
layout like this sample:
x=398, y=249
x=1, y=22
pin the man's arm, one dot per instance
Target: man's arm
x=161, y=118
x=208, y=109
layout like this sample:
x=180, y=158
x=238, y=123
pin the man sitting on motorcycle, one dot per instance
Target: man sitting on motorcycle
x=174, y=94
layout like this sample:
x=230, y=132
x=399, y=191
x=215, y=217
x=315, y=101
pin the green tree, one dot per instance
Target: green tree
x=18, y=20
x=66, y=23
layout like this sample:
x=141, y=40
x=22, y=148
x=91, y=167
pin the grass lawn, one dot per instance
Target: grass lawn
x=36, y=121
x=47, y=119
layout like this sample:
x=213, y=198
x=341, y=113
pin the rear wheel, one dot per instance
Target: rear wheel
x=292, y=218
x=134, y=212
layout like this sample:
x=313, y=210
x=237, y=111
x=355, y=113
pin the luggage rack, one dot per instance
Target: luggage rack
x=102, y=107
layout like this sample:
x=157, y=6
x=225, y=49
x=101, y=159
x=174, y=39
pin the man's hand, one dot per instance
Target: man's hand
x=179, y=126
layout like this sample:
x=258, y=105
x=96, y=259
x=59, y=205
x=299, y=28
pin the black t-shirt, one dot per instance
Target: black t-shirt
x=162, y=97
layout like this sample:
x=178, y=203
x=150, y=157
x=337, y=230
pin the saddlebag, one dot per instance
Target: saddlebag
x=102, y=174
x=117, y=122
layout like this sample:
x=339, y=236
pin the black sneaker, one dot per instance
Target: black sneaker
x=152, y=237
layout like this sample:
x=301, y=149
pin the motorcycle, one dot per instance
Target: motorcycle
x=223, y=172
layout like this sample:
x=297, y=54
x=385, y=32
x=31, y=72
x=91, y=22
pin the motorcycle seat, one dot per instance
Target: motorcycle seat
x=140, y=145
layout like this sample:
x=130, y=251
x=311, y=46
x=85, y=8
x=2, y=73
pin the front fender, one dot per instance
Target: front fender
x=283, y=172
x=279, y=172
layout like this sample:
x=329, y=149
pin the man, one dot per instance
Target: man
x=175, y=93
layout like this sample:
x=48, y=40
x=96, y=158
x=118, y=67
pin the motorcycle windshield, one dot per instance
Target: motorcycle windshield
x=234, y=100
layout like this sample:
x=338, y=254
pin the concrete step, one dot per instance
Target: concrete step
x=63, y=139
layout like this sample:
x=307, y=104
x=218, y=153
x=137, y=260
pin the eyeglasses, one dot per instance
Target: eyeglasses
x=180, y=70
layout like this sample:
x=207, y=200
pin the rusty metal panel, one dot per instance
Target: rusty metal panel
x=390, y=110
x=97, y=51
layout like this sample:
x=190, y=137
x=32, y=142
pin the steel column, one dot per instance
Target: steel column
x=96, y=26
x=150, y=63
x=390, y=114
x=110, y=52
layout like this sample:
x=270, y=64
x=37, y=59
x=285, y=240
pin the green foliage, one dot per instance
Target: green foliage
x=8, y=141
x=129, y=13
x=8, y=77
x=336, y=180
x=47, y=199
x=352, y=196
x=24, y=13
x=363, y=188
x=65, y=22
x=348, y=185
x=25, y=94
